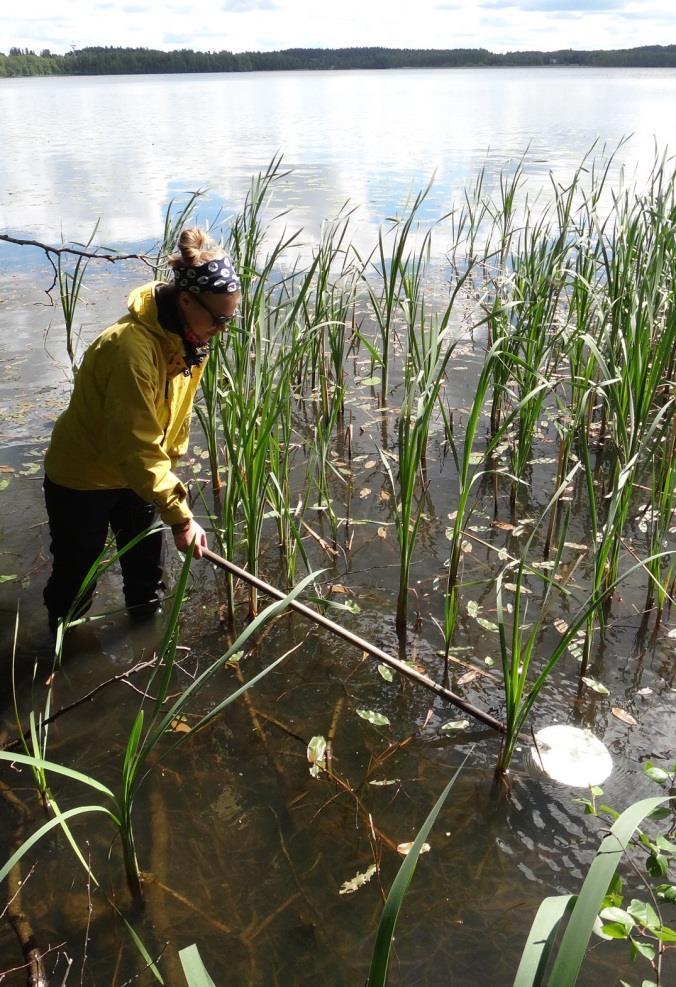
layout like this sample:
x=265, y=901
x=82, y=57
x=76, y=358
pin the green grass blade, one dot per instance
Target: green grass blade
x=590, y=899
x=60, y=769
x=381, y=953
x=195, y=971
x=150, y=963
x=541, y=939
x=45, y=828
x=60, y=817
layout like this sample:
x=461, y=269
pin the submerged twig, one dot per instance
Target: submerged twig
x=121, y=677
x=14, y=911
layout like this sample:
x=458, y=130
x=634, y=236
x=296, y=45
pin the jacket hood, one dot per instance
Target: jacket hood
x=143, y=307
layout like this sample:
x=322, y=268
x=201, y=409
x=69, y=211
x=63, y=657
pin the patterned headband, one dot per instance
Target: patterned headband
x=215, y=275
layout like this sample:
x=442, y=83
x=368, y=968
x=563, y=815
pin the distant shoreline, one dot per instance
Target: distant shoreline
x=147, y=61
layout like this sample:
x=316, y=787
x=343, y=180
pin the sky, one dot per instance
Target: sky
x=267, y=25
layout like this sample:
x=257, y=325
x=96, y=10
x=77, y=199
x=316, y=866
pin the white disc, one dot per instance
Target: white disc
x=572, y=756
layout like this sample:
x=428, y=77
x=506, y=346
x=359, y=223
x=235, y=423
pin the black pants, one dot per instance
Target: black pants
x=78, y=525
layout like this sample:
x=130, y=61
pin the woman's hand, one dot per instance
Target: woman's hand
x=185, y=533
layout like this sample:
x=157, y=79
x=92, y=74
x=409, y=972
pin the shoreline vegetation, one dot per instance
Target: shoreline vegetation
x=142, y=61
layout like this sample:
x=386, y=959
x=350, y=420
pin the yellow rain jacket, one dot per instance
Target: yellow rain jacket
x=128, y=420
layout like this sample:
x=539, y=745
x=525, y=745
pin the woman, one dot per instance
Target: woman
x=113, y=451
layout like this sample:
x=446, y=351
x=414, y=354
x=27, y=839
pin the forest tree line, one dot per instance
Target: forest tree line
x=141, y=61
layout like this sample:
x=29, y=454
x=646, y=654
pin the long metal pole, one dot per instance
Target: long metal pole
x=358, y=642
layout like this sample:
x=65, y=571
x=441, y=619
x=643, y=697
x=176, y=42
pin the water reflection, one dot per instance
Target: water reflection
x=119, y=148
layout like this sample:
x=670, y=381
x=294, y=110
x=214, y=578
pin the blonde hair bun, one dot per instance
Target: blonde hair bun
x=195, y=247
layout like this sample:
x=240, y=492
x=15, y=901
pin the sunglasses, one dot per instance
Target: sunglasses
x=218, y=321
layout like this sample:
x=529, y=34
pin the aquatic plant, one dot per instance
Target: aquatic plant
x=381, y=951
x=208, y=407
x=150, y=728
x=390, y=268
x=196, y=973
x=327, y=295
x=425, y=370
x=70, y=284
x=518, y=648
x=658, y=518
x=544, y=963
x=175, y=218
x=251, y=408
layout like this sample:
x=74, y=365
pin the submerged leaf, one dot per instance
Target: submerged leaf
x=621, y=714
x=377, y=719
x=385, y=672
x=403, y=848
x=358, y=881
x=487, y=625
x=512, y=588
x=179, y=725
x=468, y=677
x=455, y=725
x=595, y=685
x=316, y=749
x=316, y=755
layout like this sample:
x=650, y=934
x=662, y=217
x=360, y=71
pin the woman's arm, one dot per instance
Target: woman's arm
x=133, y=442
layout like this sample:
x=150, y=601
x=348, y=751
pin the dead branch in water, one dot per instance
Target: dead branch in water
x=14, y=911
x=51, y=252
x=121, y=677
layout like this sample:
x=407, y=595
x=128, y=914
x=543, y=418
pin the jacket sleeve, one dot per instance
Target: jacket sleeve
x=133, y=437
x=180, y=444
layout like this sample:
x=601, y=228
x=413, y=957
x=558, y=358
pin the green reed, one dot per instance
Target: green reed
x=327, y=301
x=534, y=324
x=70, y=284
x=207, y=409
x=251, y=409
x=175, y=218
x=518, y=647
x=246, y=386
x=472, y=464
x=660, y=520
x=389, y=269
x=633, y=354
x=431, y=344
x=152, y=725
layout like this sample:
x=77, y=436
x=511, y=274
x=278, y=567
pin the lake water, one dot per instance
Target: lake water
x=75, y=150
x=249, y=851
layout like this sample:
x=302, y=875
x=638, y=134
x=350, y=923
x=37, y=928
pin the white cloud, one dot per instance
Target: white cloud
x=241, y=25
